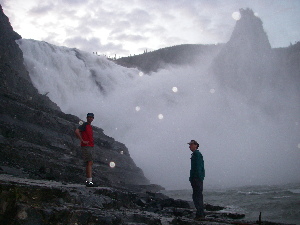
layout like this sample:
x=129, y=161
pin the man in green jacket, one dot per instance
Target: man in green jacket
x=197, y=174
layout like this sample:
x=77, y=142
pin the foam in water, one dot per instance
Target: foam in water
x=275, y=203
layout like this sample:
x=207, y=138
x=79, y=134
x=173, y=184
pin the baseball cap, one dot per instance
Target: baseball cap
x=193, y=142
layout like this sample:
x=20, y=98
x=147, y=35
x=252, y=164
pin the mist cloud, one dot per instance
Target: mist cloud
x=240, y=142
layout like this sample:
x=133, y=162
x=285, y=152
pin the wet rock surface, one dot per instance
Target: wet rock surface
x=28, y=201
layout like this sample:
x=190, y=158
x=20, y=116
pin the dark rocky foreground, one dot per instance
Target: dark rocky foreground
x=28, y=201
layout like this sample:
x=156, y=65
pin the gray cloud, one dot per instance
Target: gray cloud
x=139, y=17
x=74, y=2
x=41, y=9
x=130, y=37
x=152, y=24
x=90, y=44
x=3, y=3
x=95, y=45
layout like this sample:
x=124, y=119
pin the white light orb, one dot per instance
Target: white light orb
x=236, y=15
x=121, y=152
x=112, y=165
x=160, y=116
x=174, y=89
x=80, y=122
x=137, y=108
x=141, y=74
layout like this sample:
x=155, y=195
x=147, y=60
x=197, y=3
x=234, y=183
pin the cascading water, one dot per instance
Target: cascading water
x=156, y=115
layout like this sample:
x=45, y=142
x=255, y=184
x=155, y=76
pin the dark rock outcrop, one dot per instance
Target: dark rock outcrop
x=246, y=58
x=26, y=201
x=247, y=66
x=37, y=140
x=14, y=77
x=249, y=34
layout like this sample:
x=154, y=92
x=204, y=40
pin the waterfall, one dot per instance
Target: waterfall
x=156, y=115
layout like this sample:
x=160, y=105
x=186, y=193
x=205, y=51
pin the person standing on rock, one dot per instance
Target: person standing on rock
x=197, y=174
x=85, y=134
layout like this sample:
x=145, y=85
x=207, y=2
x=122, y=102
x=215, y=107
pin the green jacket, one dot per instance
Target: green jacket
x=197, y=166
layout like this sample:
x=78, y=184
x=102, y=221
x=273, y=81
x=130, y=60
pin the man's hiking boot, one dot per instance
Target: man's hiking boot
x=90, y=184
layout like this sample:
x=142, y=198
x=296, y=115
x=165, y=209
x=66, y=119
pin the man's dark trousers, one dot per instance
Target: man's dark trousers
x=197, y=185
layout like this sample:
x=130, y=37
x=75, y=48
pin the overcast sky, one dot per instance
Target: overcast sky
x=125, y=27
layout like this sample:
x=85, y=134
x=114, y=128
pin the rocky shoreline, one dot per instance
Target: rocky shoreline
x=30, y=201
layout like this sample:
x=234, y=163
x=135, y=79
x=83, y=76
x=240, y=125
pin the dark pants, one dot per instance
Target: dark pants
x=197, y=186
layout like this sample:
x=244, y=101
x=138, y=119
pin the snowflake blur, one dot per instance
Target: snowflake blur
x=236, y=15
x=160, y=116
x=112, y=164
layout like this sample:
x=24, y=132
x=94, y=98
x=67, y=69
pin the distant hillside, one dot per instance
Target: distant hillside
x=176, y=55
x=288, y=61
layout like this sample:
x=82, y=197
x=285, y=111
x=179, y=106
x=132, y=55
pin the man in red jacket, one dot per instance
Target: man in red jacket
x=85, y=134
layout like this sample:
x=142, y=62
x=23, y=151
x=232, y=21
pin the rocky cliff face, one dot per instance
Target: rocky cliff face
x=37, y=140
x=14, y=77
x=247, y=66
x=246, y=58
x=248, y=34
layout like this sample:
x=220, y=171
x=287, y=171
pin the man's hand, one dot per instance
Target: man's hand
x=85, y=142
